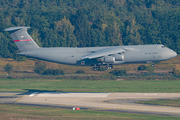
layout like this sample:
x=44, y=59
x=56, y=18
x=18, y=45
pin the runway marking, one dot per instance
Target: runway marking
x=150, y=94
x=73, y=95
x=31, y=95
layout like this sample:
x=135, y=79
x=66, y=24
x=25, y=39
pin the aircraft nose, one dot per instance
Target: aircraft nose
x=172, y=54
x=168, y=54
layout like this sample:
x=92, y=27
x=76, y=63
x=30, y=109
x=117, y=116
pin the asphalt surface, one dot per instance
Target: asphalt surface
x=115, y=102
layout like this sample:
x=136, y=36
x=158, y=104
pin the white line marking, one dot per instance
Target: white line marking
x=150, y=94
x=31, y=95
x=146, y=94
x=73, y=95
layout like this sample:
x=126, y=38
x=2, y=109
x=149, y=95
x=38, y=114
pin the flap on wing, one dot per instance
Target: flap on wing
x=103, y=52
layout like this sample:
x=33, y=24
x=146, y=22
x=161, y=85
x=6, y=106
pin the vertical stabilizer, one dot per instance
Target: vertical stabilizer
x=22, y=39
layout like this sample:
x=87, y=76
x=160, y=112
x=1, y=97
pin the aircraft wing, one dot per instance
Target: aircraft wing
x=103, y=52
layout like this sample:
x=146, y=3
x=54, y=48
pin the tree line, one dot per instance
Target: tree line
x=90, y=23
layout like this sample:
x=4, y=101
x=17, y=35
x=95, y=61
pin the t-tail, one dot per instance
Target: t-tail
x=22, y=39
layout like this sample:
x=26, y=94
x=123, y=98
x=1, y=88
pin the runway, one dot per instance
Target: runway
x=117, y=102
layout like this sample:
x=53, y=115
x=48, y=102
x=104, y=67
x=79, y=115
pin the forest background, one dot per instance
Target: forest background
x=91, y=23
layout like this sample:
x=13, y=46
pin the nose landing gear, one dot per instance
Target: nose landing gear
x=152, y=65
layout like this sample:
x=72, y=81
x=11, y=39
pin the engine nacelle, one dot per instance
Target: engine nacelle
x=109, y=59
x=119, y=57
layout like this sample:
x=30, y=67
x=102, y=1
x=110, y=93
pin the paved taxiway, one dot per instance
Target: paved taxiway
x=123, y=102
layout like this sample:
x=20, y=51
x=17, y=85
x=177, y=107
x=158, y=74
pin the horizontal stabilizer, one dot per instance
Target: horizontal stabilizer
x=15, y=28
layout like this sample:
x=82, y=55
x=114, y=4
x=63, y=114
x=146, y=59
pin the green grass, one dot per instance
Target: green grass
x=22, y=112
x=66, y=85
x=175, y=102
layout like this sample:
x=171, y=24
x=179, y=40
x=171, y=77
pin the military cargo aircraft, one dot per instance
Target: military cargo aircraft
x=89, y=56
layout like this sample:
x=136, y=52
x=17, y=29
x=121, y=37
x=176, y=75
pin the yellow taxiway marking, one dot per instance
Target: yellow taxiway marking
x=19, y=99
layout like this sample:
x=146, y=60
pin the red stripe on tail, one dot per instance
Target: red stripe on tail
x=22, y=40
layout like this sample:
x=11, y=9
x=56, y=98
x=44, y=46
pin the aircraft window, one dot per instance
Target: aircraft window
x=162, y=46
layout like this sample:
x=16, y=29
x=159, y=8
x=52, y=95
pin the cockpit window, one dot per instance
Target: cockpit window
x=162, y=46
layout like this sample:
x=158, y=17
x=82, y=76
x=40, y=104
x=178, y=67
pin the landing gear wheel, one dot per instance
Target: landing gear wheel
x=109, y=68
x=95, y=68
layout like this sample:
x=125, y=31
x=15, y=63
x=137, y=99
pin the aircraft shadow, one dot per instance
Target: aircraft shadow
x=39, y=91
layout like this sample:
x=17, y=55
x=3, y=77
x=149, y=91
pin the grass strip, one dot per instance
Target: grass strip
x=71, y=85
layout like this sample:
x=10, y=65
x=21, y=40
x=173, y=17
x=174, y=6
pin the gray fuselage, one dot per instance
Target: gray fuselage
x=132, y=54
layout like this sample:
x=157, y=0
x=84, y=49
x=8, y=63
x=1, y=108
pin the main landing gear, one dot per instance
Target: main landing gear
x=96, y=67
x=108, y=67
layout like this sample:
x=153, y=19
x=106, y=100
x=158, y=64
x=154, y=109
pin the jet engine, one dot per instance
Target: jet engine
x=109, y=59
x=119, y=57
